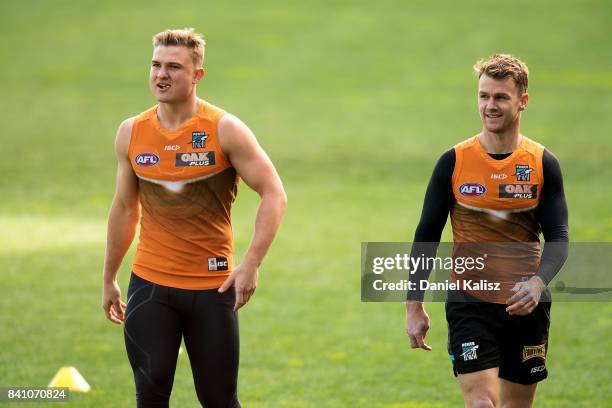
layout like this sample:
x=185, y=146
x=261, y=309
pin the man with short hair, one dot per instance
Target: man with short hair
x=181, y=161
x=499, y=187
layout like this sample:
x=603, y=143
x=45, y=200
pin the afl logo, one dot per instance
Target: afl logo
x=472, y=189
x=146, y=159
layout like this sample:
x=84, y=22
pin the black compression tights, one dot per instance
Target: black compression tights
x=157, y=317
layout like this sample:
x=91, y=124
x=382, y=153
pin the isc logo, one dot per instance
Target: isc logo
x=146, y=159
x=472, y=189
x=217, y=264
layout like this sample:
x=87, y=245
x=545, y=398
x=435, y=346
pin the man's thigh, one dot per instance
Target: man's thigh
x=152, y=332
x=480, y=388
x=514, y=395
x=212, y=341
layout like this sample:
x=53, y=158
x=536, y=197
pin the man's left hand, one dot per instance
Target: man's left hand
x=244, y=279
x=526, y=297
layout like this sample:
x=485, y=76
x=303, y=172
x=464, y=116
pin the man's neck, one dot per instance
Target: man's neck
x=172, y=115
x=500, y=143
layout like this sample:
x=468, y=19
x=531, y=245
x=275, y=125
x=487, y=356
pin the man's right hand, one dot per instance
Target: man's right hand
x=417, y=324
x=113, y=306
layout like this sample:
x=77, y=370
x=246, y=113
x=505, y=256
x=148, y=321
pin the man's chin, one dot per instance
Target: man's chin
x=163, y=99
x=496, y=129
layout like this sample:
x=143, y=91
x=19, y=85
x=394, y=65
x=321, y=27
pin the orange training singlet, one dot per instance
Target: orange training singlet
x=495, y=202
x=186, y=189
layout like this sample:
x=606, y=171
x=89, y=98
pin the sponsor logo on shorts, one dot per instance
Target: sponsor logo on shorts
x=472, y=189
x=499, y=176
x=146, y=159
x=469, y=351
x=172, y=147
x=198, y=140
x=195, y=159
x=518, y=191
x=534, y=351
x=523, y=171
x=217, y=264
x=538, y=369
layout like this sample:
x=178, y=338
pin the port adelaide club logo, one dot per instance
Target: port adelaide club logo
x=523, y=172
x=198, y=140
x=472, y=189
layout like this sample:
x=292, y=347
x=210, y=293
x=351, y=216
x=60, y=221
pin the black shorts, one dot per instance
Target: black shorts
x=483, y=335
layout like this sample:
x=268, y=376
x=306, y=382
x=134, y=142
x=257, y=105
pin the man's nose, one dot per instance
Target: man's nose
x=491, y=104
x=162, y=72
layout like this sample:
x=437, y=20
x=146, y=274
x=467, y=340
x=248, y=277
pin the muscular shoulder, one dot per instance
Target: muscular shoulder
x=124, y=135
x=233, y=134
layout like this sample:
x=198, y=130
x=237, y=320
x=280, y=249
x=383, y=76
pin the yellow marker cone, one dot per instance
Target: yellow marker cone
x=180, y=349
x=69, y=377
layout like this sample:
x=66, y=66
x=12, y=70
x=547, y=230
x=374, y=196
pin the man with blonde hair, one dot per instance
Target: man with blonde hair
x=181, y=160
x=499, y=187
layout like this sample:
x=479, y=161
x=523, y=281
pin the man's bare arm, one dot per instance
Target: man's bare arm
x=253, y=165
x=122, y=222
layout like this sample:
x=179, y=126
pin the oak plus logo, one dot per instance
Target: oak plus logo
x=529, y=191
x=472, y=189
x=195, y=159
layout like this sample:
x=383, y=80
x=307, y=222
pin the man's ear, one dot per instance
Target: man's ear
x=524, y=101
x=199, y=74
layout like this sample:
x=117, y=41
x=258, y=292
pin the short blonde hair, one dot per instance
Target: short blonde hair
x=500, y=66
x=187, y=37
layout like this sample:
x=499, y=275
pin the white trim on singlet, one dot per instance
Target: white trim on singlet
x=503, y=214
x=177, y=186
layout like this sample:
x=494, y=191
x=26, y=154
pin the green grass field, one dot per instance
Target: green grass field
x=354, y=103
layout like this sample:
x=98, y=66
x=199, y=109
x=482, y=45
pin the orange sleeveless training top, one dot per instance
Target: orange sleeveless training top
x=186, y=189
x=495, y=204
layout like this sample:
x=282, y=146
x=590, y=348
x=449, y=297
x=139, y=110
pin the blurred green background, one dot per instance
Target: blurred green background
x=354, y=102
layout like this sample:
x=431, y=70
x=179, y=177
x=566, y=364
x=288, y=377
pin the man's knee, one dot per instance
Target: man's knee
x=153, y=389
x=150, y=398
x=480, y=389
x=481, y=399
x=219, y=400
x=481, y=402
